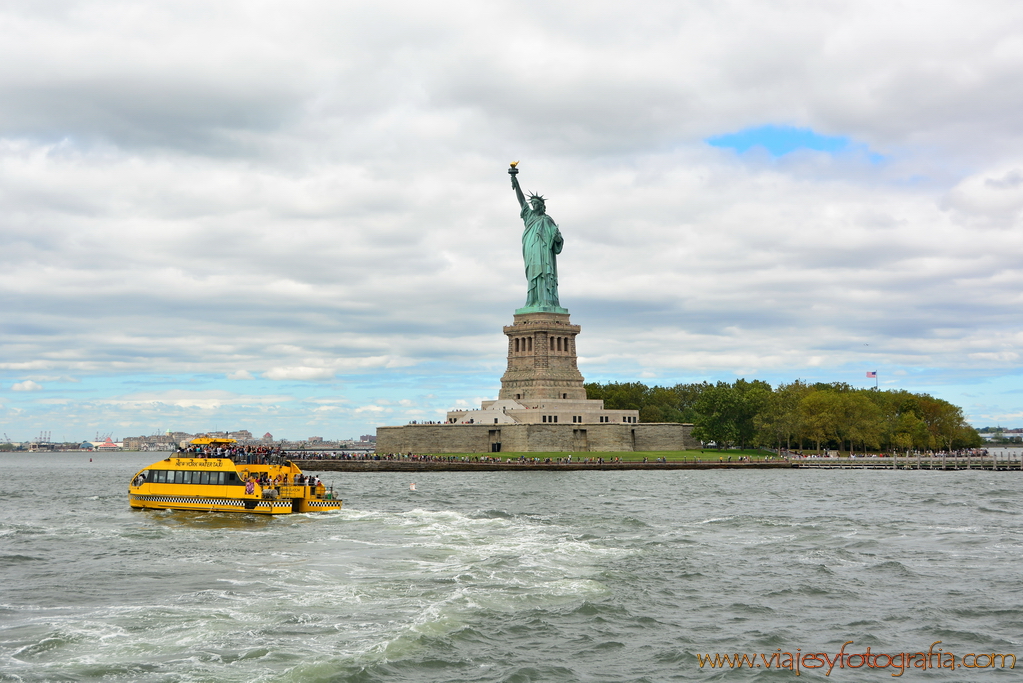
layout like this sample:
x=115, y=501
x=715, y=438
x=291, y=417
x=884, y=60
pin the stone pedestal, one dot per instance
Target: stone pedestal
x=542, y=359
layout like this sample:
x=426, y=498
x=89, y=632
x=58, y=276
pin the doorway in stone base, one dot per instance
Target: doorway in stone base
x=495, y=440
x=579, y=440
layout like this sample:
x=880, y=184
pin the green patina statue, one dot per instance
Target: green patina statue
x=541, y=243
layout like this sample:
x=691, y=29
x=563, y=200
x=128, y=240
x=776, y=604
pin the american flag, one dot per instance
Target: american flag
x=872, y=374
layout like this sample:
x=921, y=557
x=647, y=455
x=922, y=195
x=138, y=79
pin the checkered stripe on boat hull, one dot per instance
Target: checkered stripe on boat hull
x=214, y=502
x=324, y=503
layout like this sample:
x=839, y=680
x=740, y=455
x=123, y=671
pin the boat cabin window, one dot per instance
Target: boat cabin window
x=219, y=478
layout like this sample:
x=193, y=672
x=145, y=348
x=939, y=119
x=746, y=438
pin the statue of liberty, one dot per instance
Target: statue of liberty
x=541, y=243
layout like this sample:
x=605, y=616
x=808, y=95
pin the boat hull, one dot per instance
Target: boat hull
x=203, y=504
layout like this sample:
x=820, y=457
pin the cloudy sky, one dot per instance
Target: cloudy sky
x=295, y=217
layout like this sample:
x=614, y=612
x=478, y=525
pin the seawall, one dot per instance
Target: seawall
x=427, y=466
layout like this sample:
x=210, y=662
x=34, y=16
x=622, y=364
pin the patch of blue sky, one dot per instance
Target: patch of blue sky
x=782, y=140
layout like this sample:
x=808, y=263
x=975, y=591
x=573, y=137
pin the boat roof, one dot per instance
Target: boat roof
x=208, y=440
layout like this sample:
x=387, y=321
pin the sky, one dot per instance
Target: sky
x=296, y=217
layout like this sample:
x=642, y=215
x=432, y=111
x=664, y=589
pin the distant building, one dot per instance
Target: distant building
x=268, y=438
x=315, y=439
x=368, y=438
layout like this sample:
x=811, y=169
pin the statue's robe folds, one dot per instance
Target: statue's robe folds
x=541, y=242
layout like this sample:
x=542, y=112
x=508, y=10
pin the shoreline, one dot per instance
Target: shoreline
x=458, y=466
x=936, y=464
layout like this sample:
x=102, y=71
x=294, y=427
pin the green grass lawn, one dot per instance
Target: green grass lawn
x=708, y=454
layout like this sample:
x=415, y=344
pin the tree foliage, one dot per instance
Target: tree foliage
x=750, y=412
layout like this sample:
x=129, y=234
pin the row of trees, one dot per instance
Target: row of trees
x=753, y=413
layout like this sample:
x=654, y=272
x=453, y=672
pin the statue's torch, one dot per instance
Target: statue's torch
x=513, y=169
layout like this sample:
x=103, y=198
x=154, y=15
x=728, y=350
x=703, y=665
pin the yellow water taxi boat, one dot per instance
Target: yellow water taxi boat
x=218, y=484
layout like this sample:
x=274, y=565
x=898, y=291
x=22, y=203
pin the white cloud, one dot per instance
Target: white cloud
x=240, y=375
x=206, y=400
x=27, y=385
x=299, y=373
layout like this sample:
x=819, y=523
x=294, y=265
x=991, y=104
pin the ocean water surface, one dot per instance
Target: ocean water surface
x=526, y=576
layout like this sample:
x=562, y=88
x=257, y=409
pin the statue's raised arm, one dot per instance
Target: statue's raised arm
x=513, y=171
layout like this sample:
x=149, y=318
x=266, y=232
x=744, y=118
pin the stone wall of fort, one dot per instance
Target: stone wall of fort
x=535, y=438
x=664, y=436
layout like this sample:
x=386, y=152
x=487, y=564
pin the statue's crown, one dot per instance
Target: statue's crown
x=533, y=195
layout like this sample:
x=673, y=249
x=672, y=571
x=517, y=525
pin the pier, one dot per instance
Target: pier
x=997, y=462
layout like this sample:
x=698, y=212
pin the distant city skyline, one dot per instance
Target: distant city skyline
x=176, y=436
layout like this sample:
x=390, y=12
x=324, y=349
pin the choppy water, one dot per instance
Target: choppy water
x=581, y=576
